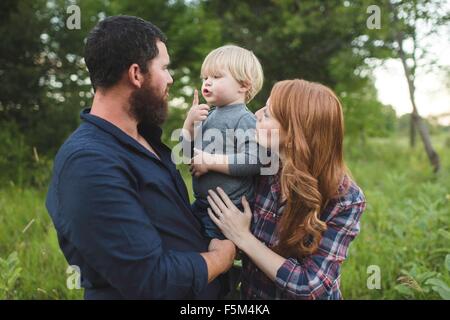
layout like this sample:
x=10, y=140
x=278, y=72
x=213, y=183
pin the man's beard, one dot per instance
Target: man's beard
x=147, y=106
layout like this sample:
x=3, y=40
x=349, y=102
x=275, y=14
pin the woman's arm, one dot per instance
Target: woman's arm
x=235, y=225
x=315, y=275
x=312, y=277
x=265, y=259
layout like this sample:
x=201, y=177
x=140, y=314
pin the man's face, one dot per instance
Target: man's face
x=159, y=69
x=148, y=104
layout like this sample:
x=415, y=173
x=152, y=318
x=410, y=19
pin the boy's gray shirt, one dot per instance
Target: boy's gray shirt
x=235, y=125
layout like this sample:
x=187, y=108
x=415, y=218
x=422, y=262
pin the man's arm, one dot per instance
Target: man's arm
x=219, y=258
x=102, y=216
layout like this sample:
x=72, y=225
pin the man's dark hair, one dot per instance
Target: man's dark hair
x=115, y=44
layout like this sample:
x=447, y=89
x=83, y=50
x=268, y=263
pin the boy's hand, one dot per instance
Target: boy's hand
x=200, y=162
x=197, y=113
x=203, y=162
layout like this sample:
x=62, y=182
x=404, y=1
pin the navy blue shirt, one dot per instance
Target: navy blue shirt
x=123, y=216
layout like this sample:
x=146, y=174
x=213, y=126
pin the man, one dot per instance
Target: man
x=120, y=207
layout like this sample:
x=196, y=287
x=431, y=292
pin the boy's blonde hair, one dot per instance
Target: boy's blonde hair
x=241, y=63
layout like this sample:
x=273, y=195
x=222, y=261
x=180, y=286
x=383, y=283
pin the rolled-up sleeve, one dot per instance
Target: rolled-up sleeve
x=101, y=215
x=315, y=276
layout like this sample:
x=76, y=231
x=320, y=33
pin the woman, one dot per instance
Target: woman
x=307, y=214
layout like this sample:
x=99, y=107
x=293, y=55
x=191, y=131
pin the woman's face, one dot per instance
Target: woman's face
x=268, y=129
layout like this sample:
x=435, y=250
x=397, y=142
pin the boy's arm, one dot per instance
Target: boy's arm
x=197, y=113
x=192, y=124
x=202, y=162
x=242, y=163
x=245, y=161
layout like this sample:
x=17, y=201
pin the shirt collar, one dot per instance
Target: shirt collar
x=150, y=133
x=230, y=107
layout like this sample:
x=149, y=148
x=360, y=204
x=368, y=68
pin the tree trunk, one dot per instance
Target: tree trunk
x=425, y=135
x=412, y=132
x=417, y=120
x=419, y=125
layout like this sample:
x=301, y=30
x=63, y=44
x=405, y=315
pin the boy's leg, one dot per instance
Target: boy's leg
x=210, y=230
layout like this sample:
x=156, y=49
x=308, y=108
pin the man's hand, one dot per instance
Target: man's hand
x=197, y=113
x=219, y=258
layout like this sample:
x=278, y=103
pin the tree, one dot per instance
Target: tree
x=407, y=17
x=314, y=40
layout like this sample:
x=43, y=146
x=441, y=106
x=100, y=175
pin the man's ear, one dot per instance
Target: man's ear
x=135, y=75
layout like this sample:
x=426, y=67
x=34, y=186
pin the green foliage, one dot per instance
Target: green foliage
x=405, y=228
x=25, y=228
x=9, y=274
x=365, y=116
x=20, y=163
x=418, y=284
x=45, y=85
x=295, y=39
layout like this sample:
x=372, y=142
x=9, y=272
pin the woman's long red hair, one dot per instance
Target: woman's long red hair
x=312, y=127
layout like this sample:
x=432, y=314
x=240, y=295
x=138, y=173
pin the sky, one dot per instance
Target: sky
x=432, y=88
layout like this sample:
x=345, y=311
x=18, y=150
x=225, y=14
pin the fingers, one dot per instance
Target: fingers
x=217, y=201
x=200, y=114
x=195, y=100
x=246, y=205
x=214, y=218
x=225, y=198
x=214, y=207
x=203, y=107
x=194, y=171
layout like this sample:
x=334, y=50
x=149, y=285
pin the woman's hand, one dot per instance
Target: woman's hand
x=233, y=223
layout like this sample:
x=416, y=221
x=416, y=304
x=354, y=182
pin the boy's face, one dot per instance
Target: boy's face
x=222, y=89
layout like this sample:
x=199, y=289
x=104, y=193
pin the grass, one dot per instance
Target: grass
x=404, y=231
x=26, y=228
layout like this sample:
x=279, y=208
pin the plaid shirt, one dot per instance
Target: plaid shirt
x=316, y=276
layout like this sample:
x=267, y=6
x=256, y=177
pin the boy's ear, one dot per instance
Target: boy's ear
x=245, y=86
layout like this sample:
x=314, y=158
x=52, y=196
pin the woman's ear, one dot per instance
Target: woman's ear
x=135, y=75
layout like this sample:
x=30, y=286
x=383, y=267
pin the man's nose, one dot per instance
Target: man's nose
x=170, y=80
